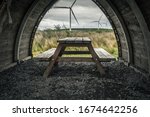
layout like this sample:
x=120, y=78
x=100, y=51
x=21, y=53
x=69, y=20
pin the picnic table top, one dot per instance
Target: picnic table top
x=75, y=40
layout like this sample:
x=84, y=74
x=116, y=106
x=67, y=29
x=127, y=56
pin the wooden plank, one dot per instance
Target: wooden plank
x=103, y=55
x=96, y=60
x=75, y=40
x=78, y=40
x=86, y=40
x=71, y=40
x=6, y=66
x=46, y=55
x=108, y=55
x=100, y=53
x=62, y=40
x=75, y=44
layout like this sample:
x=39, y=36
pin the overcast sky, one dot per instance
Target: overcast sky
x=86, y=12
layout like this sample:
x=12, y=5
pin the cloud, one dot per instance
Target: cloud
x=86, y=3
x=86, y=11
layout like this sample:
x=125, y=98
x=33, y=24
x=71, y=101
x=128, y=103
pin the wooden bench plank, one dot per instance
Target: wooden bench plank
x=103, y=55
x=86, y=40
x=46, y=55
x=78, y=40
x=71, y=40
x=75, y=40
x=62, y=40
x=108, y=55
x=99, y=53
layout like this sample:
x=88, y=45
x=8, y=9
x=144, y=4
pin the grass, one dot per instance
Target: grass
x=103, y=38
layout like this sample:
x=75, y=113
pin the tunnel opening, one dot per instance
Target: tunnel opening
x=125, y=50
x=59, y=23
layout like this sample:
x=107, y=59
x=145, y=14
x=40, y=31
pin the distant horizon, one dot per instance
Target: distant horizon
x=94, y=28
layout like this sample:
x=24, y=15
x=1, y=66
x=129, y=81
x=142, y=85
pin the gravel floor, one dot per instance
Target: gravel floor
x=73, y=81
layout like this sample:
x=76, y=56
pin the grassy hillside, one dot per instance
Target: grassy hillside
x=47, y=39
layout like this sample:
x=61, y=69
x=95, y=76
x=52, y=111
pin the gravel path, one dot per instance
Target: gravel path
x=73, y=81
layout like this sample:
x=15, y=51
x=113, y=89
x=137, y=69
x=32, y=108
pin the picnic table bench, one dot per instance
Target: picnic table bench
x=103, y=55
x=56, y=54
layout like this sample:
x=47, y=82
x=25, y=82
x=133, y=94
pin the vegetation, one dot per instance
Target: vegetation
x=103, y=38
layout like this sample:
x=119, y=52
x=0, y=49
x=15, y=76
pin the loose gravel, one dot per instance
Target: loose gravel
x=73, y=81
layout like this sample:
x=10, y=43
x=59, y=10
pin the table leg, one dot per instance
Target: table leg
x=96, y=60
x=60, y=54
x=53, y=61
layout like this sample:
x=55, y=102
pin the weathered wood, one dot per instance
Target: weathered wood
x=45, y=56
x=63, y=43
x=96, y=59
x=75, y=44
x=70, y=40
x=75, y=40
x=62, y=40
x=53, y=61
x=79, y=40
x=86, y=40
x=103, y=55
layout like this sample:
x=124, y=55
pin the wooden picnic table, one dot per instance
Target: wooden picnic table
x=73, y=42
